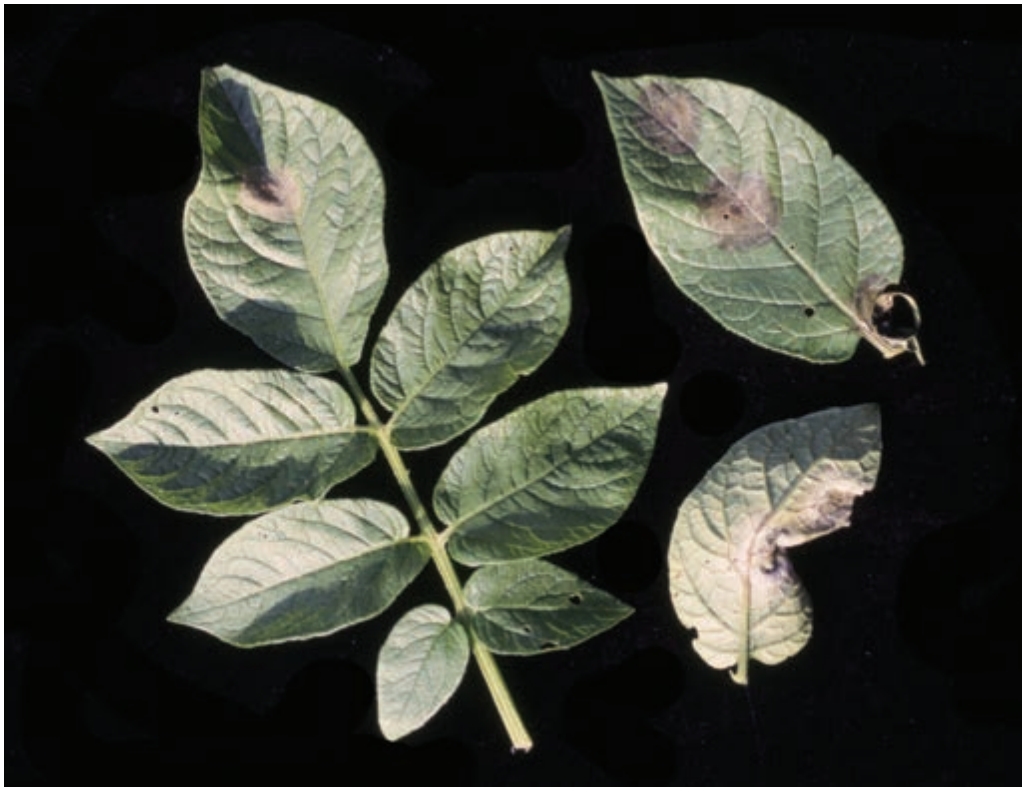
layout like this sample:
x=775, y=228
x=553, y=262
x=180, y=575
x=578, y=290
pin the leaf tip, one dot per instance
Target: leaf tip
x=179, y=615
x=101, y=441
x=391, y=731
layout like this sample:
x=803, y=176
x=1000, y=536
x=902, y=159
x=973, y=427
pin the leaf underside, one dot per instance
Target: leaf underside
x=753, y=216
x=284, y=233
x=780, y=486
x=304, y=571
x=550, y=475
x=284, y=228
x=420, y=666
x=481, y=316
x=239, y=442
x=530, y=607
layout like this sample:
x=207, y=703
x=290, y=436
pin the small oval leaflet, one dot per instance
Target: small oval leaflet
x=753, y=216
x=419, y=668
x=778, y=487
x=530, y=607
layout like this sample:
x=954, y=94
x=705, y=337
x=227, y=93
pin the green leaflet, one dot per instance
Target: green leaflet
x=550, y=475
x=284, y=228
x=778, y=487
x=755, y=218
x=481, y=316
x=420, y=667
x=529, y=607
x=305, y=570
x=239, y=442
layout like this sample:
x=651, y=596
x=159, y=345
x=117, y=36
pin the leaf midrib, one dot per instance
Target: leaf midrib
x=373, y=549
x=355, y=430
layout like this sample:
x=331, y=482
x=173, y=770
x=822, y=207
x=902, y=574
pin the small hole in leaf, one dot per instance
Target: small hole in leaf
x=809, y=311
x=575, y=599
x=547, y=645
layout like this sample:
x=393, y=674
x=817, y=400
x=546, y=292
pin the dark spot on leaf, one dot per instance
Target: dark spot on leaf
x=526, y=629
x=272, y=195
x=262, y=185
x=668, y=118
x=741, y=210
x=547, y=645
x=155, y=409
x=808, y=311
x=575, y=599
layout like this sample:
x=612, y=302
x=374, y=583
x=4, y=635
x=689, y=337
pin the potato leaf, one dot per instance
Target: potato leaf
x=478, y=318
x=419, y=668
x=755, y=218
x=529, y=607
x=239, y=442
x=303, y=571
x=780, y=486
x=548, y=476
x=284, y=228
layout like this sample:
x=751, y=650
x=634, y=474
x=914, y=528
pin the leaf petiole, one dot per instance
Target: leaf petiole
x=520, y=739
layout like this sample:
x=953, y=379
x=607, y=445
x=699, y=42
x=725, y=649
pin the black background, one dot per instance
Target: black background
x=482, y=121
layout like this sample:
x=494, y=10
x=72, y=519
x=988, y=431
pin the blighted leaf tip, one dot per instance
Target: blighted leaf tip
x=890, y=318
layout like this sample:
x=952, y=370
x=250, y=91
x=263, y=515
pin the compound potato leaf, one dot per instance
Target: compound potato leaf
x=481, y=316
x=239, y=442
x=303, y=571
x=284, y=228
x=419, y=668
x=778, y=487
x=529, y=607
x=755, y=218
x=552, y=474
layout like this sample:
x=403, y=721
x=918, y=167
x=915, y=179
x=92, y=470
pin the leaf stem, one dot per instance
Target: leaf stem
x=740, y=675
x=520, y=740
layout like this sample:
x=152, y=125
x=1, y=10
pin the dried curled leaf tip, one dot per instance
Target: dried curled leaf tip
x=891, y=318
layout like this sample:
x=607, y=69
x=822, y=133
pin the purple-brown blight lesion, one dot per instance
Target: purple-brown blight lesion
x=668, y=119
x=741, y=210
x=272, y=194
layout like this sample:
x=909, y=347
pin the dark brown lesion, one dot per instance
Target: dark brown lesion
x=668, y=118
x=273, y=195
x=741, y=210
